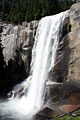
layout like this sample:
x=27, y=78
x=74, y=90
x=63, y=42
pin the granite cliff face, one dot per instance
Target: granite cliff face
x=18, y=40
x=67, y=66
x=64, y=94
x=73, y=47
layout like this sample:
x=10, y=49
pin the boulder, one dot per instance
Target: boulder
x=46, y=113
x=69, y=108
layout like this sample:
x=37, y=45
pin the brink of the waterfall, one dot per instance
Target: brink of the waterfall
x=33, y=89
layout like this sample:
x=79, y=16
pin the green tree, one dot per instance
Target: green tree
x=16, y=11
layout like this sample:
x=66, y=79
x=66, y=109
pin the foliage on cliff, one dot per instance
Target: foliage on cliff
x=16, y=11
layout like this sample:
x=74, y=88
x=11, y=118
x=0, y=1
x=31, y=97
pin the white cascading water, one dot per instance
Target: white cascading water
x=43, y=59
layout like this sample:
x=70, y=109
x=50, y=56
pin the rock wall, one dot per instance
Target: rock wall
x=66, y=72
x=19, y=40
x=67, y=66
x=72, y=50
x=58, y=72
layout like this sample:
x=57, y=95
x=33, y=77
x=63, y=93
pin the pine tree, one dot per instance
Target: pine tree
x=16, y=11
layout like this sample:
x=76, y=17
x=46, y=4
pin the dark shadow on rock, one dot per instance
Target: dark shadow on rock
x=3, y=81
x=12, y=73
x=60, y=70
x=61, y=92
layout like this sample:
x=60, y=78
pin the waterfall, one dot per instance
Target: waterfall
x=44, y=51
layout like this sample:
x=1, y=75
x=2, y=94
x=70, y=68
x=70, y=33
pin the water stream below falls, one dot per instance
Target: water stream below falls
x=44, y=50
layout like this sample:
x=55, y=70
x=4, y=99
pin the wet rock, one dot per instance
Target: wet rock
x=18, y=93
x=67, y=88
x=54, y=90
x=9, y=94
x=66, y=105
x=68, y=55
x=57, y=73
x=62, y=95
x=69, y=108
x=53, y=84
x=75, y=113
x=46, y=113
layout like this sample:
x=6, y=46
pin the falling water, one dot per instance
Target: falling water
x=43, y=59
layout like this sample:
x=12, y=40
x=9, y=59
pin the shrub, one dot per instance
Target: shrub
x=69, y=28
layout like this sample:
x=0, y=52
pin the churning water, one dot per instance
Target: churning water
x=43, y=58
